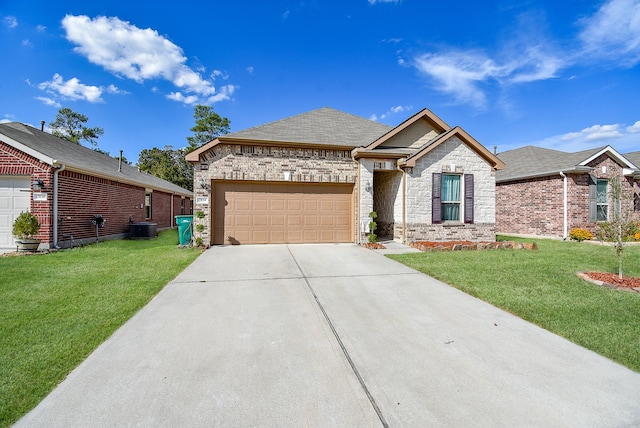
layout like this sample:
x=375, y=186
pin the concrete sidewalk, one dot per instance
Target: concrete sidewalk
x=333, y=335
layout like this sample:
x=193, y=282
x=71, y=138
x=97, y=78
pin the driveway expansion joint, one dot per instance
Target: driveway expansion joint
x=341, y=344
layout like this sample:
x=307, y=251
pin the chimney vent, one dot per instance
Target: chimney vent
x=42, y=125
x=120, y=162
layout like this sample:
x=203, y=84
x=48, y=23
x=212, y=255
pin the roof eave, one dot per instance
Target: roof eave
x=28, y=150
x=578, y=169
x=361, y=152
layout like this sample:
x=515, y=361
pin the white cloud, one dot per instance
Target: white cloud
x=635, y=128
x=41, y=28
x=613, y=32
x=27, y=43
x=462, y=73
x=250, y=70
x=595, y=133
x=49, y=101
x=137, y=54
x=112, y=89
x=392, y=111
x=458, y=73
x=10, y=21
x=383, y=1
x=589, y=138
x=74, y=90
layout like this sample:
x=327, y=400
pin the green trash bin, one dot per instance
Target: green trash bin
x=184, y=228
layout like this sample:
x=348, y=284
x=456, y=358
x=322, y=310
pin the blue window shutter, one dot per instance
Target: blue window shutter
x=593, y=196
x=468, y=198
x=436, y=198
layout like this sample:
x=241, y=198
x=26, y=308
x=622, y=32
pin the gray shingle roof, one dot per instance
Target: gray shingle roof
x=80, y=158
x=530, y=161
x=324, y=126
x=634, y=157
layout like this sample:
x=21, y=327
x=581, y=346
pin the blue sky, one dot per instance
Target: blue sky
x=557, y=74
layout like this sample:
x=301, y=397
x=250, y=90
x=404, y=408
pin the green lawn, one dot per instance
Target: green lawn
x=541, y=286
x=55, y=309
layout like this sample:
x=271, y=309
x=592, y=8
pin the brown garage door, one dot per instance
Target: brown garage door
x=270, y=213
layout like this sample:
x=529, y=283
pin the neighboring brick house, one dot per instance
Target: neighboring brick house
x=544, y=192
x=315, y=177
x=65, y=185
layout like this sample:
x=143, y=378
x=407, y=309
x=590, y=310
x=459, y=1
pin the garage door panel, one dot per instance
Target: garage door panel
x=294, y=221
x=277, y=220
x=311, y=221
x=294, y=205
x=282, y=212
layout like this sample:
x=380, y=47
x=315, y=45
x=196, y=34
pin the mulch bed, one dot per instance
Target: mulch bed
x=611, y=280
x=428, y=246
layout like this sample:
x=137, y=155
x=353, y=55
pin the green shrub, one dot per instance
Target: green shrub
x=25, y=225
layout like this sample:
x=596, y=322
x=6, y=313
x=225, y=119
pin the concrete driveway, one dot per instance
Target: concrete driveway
x=333, y=336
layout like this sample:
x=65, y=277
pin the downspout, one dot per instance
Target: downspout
x=55, y=204
x=564, y=206
x=171, y=219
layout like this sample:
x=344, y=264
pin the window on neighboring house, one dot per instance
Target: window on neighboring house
x=448, y=204
x=147, y=204
x=602, y=200
x=598, y=199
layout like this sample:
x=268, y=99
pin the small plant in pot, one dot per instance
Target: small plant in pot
x=25, y=227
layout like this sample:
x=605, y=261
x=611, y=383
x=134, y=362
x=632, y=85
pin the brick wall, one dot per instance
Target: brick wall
x=536, y=206
x=267, y=163
x=82, y=196
x=15, y=162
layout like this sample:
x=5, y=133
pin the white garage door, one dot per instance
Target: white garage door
x=14, y=198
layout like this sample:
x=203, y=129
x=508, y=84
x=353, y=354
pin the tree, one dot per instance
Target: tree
x=168, y=164
x=621, y=227
x=70, y=126
x=209, y=125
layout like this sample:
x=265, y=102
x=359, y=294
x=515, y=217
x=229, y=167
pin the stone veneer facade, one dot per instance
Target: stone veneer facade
x=418, y=196
x=535, y=206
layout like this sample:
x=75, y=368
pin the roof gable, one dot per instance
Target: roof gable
x=56, y=151
x=467, y=139
x=413, y=132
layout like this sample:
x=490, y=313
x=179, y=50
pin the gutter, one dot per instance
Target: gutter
x=564, y=206
x=57, y=171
